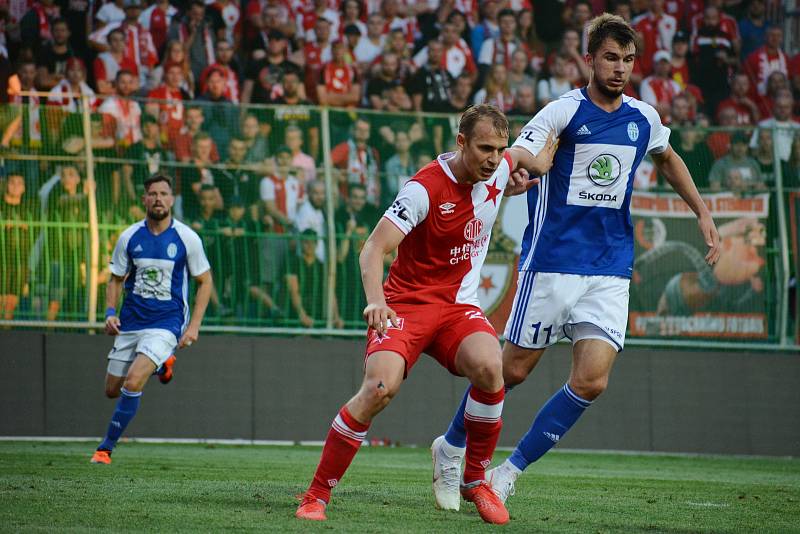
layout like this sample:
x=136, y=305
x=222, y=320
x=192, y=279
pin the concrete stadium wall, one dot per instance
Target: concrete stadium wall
x=290, y=389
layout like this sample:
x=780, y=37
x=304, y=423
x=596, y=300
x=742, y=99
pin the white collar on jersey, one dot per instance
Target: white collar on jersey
x=442, y=160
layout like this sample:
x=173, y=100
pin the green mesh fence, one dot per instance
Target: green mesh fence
x=283, y=232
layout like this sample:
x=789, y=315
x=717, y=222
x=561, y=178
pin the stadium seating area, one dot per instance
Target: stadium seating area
x=243, y=103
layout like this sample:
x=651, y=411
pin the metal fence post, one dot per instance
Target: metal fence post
x=784, y=240
x=94, y=237
x=330, y=206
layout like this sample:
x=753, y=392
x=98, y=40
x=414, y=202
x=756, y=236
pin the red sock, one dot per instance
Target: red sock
x=483, y=423
x=343, y=441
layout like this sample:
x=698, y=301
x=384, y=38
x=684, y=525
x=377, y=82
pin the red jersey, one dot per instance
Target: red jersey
x=338, y=79
x=760, y=64
x=231, y=81
x=727, y=24
x=743, y=115
x=448, y=227
x=170, y=115
x=106, y=67
x=157, y=21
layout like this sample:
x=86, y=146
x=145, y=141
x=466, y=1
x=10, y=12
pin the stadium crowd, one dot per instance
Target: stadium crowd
x=222, y=96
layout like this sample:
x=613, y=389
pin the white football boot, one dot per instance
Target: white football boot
x=446, y=474
x=502, y=479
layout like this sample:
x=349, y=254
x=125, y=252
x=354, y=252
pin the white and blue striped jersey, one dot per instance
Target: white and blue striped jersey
x=579, y=215
x=158, y=269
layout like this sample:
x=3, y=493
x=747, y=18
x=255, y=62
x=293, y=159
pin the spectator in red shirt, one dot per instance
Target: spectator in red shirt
x=182, y=142
x=457, y=55
x=720, y=141
x=499, y=50
x=358, y=163
x=225, y=64
x=170, y=96
x=746, y=110
x=108, y=64
x=776, y=84
x=727, y=24
x=156, y=19
x=338, y=85
x=765, y=60
x=657, y=29
x=660, y=89
x=680, y=63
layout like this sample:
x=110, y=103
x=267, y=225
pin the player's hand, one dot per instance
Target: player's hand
x=711, y=237
x=112, y=325
x=306, y=321
x=188, y=337
x=519, y=182
x=544, y=159
x=379, y=317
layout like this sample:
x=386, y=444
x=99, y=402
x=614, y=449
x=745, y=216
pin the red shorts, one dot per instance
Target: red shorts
x=436, y=329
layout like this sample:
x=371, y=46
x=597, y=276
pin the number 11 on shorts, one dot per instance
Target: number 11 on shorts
x=548, y=330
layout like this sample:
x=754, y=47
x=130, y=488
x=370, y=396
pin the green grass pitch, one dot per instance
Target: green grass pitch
x=52, y=487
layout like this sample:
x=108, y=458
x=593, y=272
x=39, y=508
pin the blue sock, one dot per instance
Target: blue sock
x=551, y=423
x=127, y=405
x=456, y=434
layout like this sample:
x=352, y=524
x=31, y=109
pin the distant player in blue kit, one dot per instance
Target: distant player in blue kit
x=153, y=259
x=577, y=250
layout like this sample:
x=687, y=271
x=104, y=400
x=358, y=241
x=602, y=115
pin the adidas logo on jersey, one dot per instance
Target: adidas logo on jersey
x=552, y=437
x=447, y=208
x=138, y=248
x=583, y=130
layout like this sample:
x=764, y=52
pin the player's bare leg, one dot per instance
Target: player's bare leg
x=592, y=360
x=479, y=359
x=383, y=376
x=130, y=391
x=518, y=363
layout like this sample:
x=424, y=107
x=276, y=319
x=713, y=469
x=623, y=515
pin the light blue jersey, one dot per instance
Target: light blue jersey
x=579, y=215
x=158, y=269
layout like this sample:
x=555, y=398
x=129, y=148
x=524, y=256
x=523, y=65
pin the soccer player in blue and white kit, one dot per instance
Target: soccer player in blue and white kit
x=577, y=250
x=153, y=259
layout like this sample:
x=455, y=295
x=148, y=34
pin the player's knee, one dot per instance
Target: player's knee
x=589, y=388
x=514, y=374
x=378, y=392
x=112, y=392
x=487, y=374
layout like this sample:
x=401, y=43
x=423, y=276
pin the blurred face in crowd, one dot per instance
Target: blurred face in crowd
x=316, y=195
x=663, y=68
x=739, y=149
x=175, y=52
x=449, y=35
x=15, y=186
x=740, y=85
x=194, y=118
x=76, y=74
x=277, y=47
x=237, y=150
x=463, y=87
x=582, y=14
x=284, y=161
x=236, y=213
x=623, y=10
x=711, y=16
x=132, y=13
x=375, y=26
x=765, y=141
x=361, y=132
x=402, y=143
x=680, y=49
x=680, y=110
x=197, y=12
x=689, y=137
x=323, y=31
x=208, y=200
x=126, y=84
x=490, y=9
x=435, y=51
x=397, y=42
x=158, y=201
x=526, y=99
x=508, y=26
x=309, y=246
x=657, y=6
x=482, y=149
x=389, y=65
x=559, y=67
x=352, y=10
x=150, y=130
x=224, y=52
x=202, y=149
x=294, y=139
x=216, y=85
x=174, y=77
x=611, y=66
x=271, y=18
x=499, y=74
x=116, y=42
x=519, y=62
x=357, y=198
x=27, y=74
x=250, y=127
x=774, y=37
x=389, y=9
x=775, y=82
x=338, y=50
x=60, y=33
x=756, y=9
x=458, y=21
x=727, y=117
x=291, y=84
x=783, y=108
x=70, y=179
x=571, y=40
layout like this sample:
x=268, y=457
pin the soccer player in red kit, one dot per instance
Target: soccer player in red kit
x=441, y=224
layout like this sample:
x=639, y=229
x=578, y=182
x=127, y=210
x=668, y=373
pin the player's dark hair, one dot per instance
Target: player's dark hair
x=506, y=12
x=123, y=72
x=157, y=178
x=482, y=111
x=608, y=26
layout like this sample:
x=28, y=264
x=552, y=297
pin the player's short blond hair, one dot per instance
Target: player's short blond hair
x=473, y=114
x=608, y=26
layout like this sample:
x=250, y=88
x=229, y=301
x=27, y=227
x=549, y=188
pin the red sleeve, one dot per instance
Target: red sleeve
x=99, y=70
x=214, y=152
x=109, y=125
x=253, y=8
x=339, y=155
x=470, y=67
